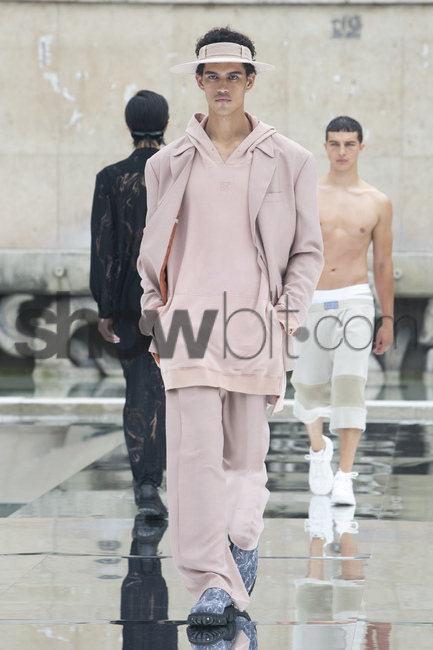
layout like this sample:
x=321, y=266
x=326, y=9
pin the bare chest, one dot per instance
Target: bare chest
x=350, y=218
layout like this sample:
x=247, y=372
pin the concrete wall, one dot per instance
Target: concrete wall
x=68, y=69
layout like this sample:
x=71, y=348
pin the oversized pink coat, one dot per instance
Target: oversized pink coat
x=282, y=201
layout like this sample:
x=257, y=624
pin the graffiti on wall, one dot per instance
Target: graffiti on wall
x=347, y=27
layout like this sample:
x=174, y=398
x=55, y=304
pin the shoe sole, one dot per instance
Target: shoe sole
x=324, y=491
x=151, y=511
x=343, y=502
x=207, y=636
x=208, y=619
x=320, y=493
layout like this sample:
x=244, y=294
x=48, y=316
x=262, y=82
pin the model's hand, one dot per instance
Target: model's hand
x=105, y=327
x=293, y=324
x=157, y=358
x=384, y=337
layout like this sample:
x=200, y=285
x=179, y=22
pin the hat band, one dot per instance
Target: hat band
x=144, y=134
x=215, y=50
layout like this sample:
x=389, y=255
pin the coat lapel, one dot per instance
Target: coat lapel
x=262, y=169
x=180, y=158
x=180, y=167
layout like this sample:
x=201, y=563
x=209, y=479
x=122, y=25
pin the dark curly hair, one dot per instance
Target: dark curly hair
x=345, y=124
x=226, y=35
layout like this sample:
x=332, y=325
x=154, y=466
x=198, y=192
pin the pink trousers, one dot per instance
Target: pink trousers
x=217, y=442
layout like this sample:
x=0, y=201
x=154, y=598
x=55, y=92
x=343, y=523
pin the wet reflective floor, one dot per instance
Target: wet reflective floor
x=80, y=569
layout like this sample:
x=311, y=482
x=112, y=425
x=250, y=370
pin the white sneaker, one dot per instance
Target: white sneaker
x=321, y=476
x=342, y=490
x=343, y=517
x=319, y=522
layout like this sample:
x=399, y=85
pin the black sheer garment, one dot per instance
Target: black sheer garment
x=118, y=219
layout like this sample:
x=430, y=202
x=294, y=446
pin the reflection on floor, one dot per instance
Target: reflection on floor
x=79, y=569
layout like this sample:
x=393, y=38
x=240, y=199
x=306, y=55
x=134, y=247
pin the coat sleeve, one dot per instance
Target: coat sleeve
x=151, y=297
x=103, y=260
x=306, y=254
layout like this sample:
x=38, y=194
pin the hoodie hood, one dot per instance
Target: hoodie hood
x=195, y=131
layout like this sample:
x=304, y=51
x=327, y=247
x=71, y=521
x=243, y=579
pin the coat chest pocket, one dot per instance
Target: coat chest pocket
x=271, y=197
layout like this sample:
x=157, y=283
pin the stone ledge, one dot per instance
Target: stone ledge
x=45, y=271
x=61, y=410
x=109, y=410
x=412, y=274
x=49, y=271
x=230, y=2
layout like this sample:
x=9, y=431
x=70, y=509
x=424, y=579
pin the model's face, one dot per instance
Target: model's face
x=225, y=85
x=343, y=149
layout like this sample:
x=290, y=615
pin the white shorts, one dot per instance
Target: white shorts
x=331, y=355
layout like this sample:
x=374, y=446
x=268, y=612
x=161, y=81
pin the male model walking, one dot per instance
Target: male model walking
x=332, y=361
x=231, y=254
x=118, y=219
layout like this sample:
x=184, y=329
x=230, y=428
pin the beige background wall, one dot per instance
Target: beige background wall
x=68, y=69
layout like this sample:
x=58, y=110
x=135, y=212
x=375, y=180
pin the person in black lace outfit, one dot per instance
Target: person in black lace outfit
x=118, y=218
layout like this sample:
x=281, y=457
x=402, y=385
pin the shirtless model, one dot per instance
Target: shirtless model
x=331, y=370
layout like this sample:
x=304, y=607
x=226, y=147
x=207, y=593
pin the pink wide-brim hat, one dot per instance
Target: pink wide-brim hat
x=222, y=53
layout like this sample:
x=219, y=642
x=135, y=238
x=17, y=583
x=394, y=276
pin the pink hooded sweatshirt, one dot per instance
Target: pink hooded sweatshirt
x=212, y=268
x=243, y=250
